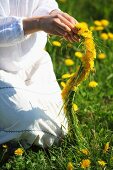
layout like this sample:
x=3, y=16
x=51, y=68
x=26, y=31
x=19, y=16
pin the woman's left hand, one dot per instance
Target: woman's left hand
x=72, y=35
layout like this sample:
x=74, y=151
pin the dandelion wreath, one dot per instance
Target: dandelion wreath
x=69, y=90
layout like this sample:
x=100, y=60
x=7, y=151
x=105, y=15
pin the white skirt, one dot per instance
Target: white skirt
x=31, y=107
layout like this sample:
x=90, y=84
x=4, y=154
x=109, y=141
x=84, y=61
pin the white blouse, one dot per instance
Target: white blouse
x=16, y=50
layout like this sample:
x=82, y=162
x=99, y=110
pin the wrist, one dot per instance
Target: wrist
x=31, y=25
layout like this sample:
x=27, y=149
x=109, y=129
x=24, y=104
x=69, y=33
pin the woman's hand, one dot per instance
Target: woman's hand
x=61, y=24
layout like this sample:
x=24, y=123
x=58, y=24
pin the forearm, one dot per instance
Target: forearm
x=31, y=25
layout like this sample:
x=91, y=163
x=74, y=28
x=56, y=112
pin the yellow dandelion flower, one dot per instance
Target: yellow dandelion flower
x=63, y=84
x=99, y=28
x=90, y=45
x=18, y=151
x=82, y=28
x=75, y=107
x=102, y=163
x=110, y=36
x=104, y=36
x=70, y=166
x=93, y=70
x=78, y=54
x=92, y=28
x=97, y=23
x=67, y=75
x=102, y=56
x=85, y=23
x=93, y=84
x=85, y=151
x=104, y=22
x=56, y=43
x=5, y=146
x=85, y=163
x=69, y=62
x=106, y=147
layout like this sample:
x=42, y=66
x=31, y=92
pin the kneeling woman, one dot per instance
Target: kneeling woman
x=30, y=97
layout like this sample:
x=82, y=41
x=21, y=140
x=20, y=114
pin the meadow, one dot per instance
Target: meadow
x=90, y=146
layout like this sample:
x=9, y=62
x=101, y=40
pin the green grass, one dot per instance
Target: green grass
x=95, y=114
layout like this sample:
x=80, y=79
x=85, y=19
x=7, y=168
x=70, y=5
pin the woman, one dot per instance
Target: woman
x=30, y=97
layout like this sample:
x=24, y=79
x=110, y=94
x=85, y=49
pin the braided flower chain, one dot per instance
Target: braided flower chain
x=87, y=60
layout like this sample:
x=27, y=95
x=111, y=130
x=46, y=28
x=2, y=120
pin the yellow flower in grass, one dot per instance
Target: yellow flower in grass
x=104, y=22
x=110, y=36
x=84, y=29
x=69, y=62
x=63, y=84
x=106, y=147
x=78, y=54
x=85, y=163
x=67, y=75
x=90, y=45
x=93, y=84
x=92, y=28
x=56, y=43
x=97, y=23
x=104, y=36
x=93, y=70
x=70, y=166
x=75, y=107
x=102, y=163
x=99, y=28
x=18, y=151
x=102, y=56
x=85, y=23
x=85, y=151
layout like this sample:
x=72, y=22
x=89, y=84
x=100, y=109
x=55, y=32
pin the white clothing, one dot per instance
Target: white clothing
x=22, y=50
x=30, y=97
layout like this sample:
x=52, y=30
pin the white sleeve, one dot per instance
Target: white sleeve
x=11, y=31
x=45, y=7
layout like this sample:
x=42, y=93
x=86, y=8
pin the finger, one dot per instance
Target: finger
x=61, y=31
x=70, y=18
x=77, y=37
x=75, y=30
x=63, y=26
x=56, y=33
x=73, y=36
x=68, y=38
x=65, y=21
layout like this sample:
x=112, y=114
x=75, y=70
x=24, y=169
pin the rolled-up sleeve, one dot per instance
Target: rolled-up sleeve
x=45, y=7
x=11, y=31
